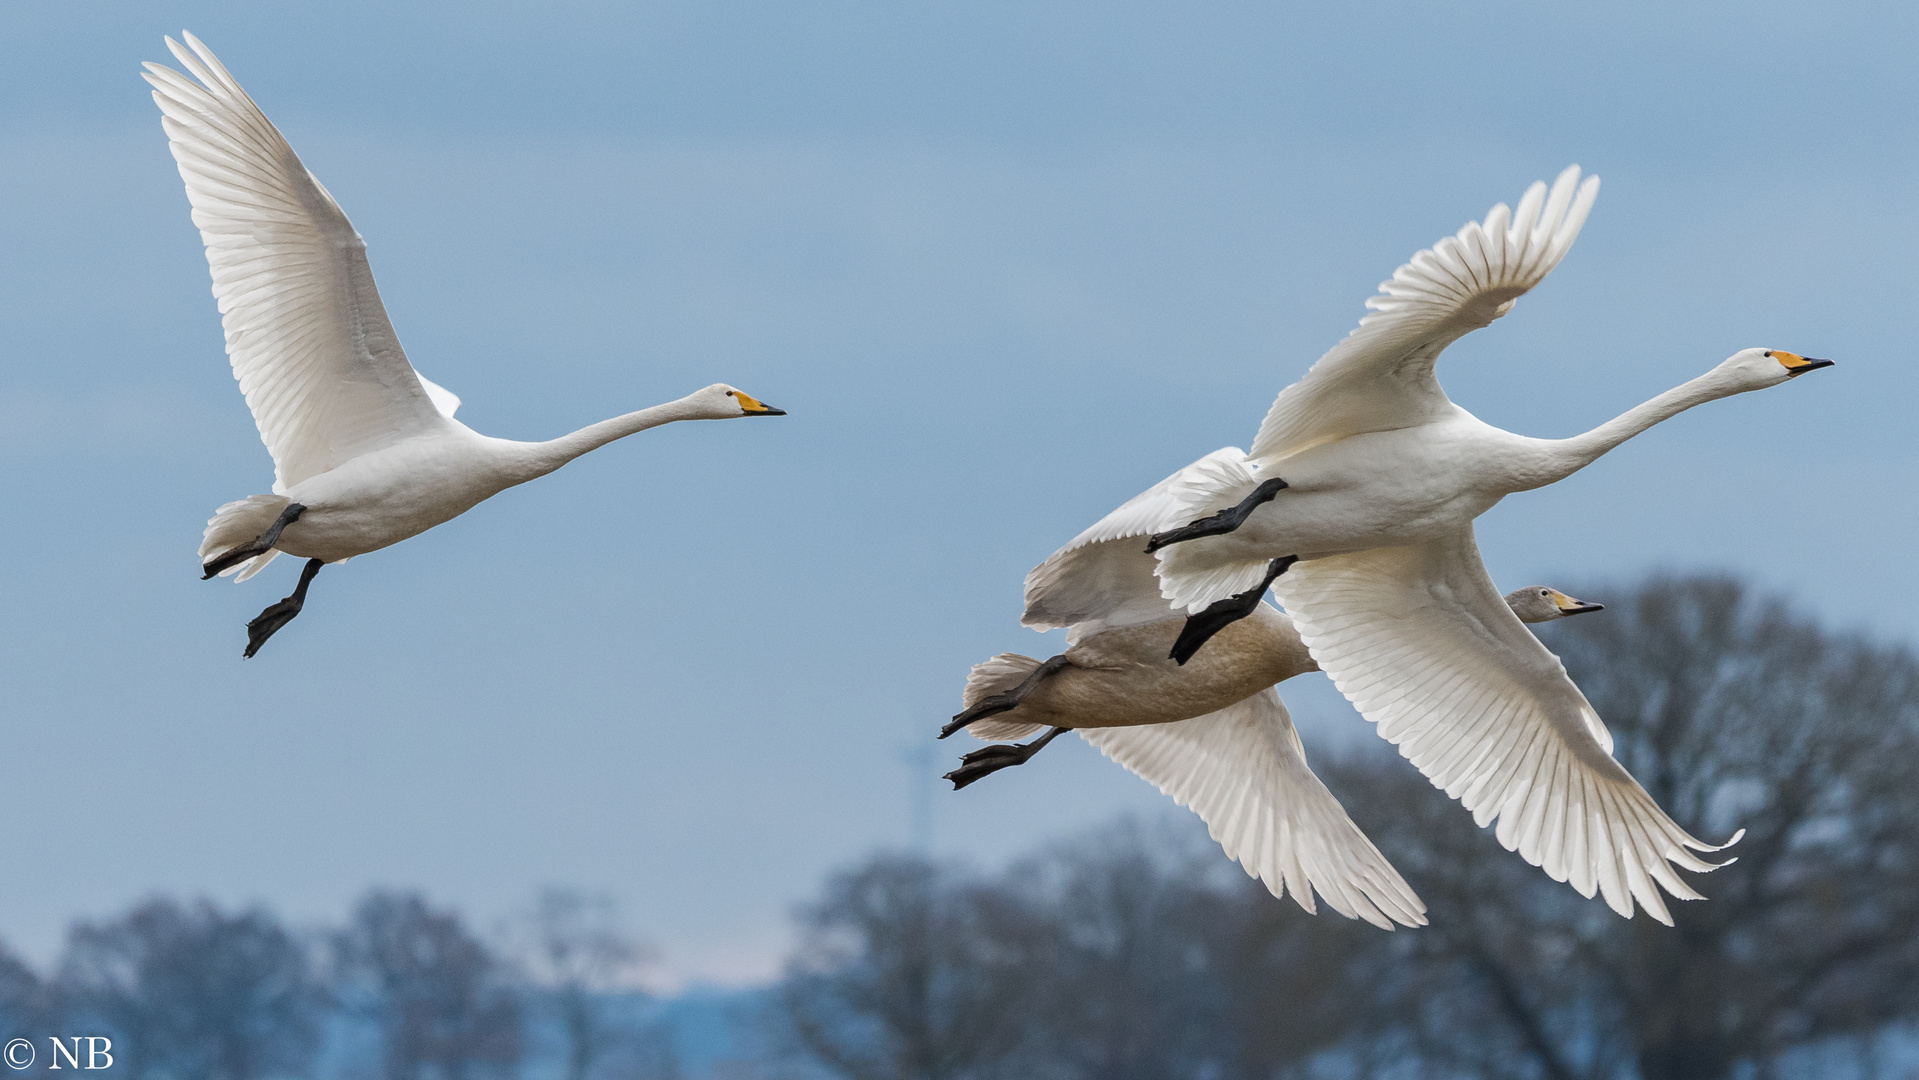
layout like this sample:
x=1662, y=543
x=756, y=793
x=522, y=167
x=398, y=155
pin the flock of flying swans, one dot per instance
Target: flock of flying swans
x=1355, y=507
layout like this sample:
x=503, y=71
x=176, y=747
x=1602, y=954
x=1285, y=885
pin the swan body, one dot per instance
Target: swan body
x=1122, y=677
x=385, y=496
x=1408, y=485
x=1373, y=453
x=1213, y=733
x=366, y=451
x=1356, y=503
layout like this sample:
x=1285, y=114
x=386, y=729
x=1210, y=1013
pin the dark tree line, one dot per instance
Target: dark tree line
x=192, y=992
x=1130, y=955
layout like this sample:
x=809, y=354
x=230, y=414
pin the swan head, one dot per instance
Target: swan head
x=1755, y=369
x=723, y=402
x=1537, y=603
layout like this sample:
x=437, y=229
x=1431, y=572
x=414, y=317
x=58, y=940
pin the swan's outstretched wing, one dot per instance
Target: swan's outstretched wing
x=1381, y=377
x=1104, y=578
x=309, y=339
x=1243, y=771
x=1420, y=641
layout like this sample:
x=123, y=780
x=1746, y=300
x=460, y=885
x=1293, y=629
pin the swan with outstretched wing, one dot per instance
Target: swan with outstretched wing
x=1355, y=506
x=366, y=451
x=1212, y=734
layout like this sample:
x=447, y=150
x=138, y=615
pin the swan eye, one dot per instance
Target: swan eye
x=730, y=393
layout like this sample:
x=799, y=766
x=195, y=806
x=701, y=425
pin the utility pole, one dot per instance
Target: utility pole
x=921, y=780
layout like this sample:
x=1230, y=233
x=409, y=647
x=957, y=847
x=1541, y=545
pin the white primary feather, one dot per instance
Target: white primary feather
x=1243, y=771
x=319, y=363
x=1381, y=377
x=1424, y=646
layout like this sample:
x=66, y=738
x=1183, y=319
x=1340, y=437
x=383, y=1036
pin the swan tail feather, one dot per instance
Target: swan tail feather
x=996, y=676
x=238, y=523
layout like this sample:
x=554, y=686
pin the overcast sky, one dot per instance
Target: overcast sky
x=1005, y=264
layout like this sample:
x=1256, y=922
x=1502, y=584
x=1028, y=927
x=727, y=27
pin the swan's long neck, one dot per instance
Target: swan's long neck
x=541, y=458
x=1563, y=457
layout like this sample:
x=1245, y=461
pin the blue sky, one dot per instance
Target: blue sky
x=1004, y=264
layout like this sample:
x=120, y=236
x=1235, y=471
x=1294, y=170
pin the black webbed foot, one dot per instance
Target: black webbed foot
x=260, y=546
x=988, y=760
x=268, y=622
x=1221, y=523
x=1005, y=701
x=1221, y=613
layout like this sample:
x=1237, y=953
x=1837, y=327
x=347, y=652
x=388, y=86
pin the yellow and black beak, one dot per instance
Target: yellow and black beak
x=1568, y=606
x=1795, y=364
x=753, y=406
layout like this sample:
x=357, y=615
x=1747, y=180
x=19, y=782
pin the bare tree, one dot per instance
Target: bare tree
x=1497, y=986
x=445, y=1005
x=1159, y=960
x=1129, y=953
x=194, y=991
x=907, y=971
x=1286, y=982
x=1734, y=710
x=579, y=959
x=1129, y=974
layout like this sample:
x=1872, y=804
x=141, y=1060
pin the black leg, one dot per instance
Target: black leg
x=1221, y=523
x=272, y=619
x=260, y=546
x=1201, y=627
x=988, y=760
x=1003, y=702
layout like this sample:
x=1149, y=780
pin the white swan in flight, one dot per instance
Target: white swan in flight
x=1367, y=452
x=366, y=451
x=1356, y=505
x=1213, y=734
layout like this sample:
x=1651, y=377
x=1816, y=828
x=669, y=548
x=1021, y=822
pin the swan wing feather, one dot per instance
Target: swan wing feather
x=308, y=337
x=1243, y=771
x=1381, y=377
x=445, y=401
x=1104, y=578
x=1423, y=645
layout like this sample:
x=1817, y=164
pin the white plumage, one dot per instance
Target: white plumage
x=1383, y=477
x=365, y=451
x=1243, y=771
x=1213, y=733
x=1381, y=376
x=1102, y=579
x=1418, y=639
